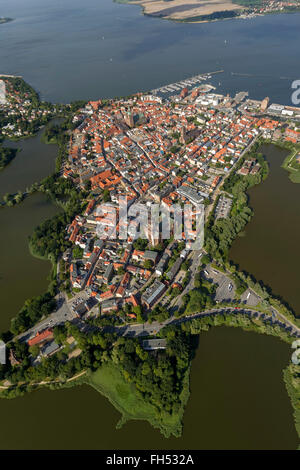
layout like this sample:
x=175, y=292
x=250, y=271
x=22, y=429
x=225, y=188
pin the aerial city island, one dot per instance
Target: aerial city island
x=121, y=313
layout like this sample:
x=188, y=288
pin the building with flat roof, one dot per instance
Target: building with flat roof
x=109, y=305
x=50, y=348
x=152, y=293
x=191, y=194
x=154, y=344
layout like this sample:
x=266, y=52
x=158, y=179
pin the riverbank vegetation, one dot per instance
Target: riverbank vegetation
x=237, y=320
x=292, y=381
x=6, y=156
x=220, y=234
x=159, y=378
x=292, y=161
x=32, y=311
x=217, y=15
x=142, y=385
x=124, y=396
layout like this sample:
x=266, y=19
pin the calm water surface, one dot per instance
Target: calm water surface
x=33, y=162
x=68, y=51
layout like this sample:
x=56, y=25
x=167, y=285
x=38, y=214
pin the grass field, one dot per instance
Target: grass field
x=183, y=9
x=109, y=381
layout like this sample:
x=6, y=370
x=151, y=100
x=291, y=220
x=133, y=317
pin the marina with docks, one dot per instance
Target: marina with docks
x=187, y=82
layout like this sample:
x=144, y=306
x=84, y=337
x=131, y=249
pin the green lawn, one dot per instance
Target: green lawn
x=295, y=176
x=109, y=381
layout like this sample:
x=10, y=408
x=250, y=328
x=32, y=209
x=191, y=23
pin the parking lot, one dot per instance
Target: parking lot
x=250, y=298
x=223, y=208
x=226, y=289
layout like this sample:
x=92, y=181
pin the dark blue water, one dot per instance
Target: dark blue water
x=72, y=49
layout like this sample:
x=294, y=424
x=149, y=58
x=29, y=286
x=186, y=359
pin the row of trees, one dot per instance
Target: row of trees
x=201, y=298
x=220, y=234
x=49, y=238
x=32, y=311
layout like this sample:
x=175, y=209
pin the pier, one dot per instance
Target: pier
x=187, y=82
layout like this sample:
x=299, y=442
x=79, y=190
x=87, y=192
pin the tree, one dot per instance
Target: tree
x=140, y=244
x=77, y=252
x=34, y=350
x=106, y=195
x=121, y=270
x=148, y=264
x=205, y=259
x=60, y=334
x=185, y=265
x=139, y=313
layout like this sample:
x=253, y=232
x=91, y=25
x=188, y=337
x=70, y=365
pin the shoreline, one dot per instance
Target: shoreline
x=220, y=15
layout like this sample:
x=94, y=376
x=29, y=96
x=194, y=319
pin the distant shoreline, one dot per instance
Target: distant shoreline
x=228, y=10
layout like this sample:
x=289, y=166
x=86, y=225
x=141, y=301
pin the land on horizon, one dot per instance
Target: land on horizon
x=198, y=11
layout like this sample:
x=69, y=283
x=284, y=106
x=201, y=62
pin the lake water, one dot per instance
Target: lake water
x=270, y=249
x=21, y=275
x=73, y=50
